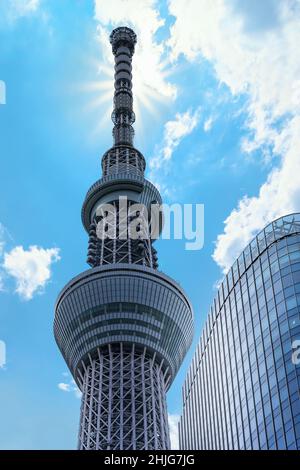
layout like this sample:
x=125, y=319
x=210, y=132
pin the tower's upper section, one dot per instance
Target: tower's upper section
x=123, y=37
x=123, y=157
x=123, y=41
x=123, y=177
x=123, y=298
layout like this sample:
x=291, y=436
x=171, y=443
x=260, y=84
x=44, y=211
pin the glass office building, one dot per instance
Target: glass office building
x=242, y=388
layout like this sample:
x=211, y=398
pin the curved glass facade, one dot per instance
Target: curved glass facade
x=242, y=390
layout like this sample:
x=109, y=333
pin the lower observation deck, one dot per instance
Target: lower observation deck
x=123, y=303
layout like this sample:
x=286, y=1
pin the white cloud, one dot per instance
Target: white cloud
x=64, y=387
x=279, y=195
x=2, y=236
x=30, y=268
x=208, y=124
x=15, y=9
x=2, y=244
x=173, y=427
x=149, y=66
x=174, y=132
x=2, y=92
x=254, y=50
x=2, y=354
x=71, y=386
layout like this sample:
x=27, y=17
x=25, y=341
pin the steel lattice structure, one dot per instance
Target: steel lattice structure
x=124, y=403
x=122, y=326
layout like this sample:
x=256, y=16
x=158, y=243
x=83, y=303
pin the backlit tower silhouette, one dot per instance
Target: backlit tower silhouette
x=122, y=326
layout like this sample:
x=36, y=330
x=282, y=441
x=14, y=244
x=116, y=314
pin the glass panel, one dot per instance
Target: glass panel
x=241, y=263
x=261, y=241
x=235, y=272
x=254, y=248
x=247, y=255
x=269, y=234
x=230, y=280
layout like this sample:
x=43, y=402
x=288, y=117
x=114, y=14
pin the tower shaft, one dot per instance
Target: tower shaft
x=122, y=326
x=124, y=405
x=123, y=41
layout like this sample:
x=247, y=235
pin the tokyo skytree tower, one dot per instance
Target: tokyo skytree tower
x=123, y=327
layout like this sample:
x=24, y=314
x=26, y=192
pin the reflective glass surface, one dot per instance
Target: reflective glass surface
x=242, y=388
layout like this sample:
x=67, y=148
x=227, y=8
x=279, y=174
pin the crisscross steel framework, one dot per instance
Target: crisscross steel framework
x=124, y=404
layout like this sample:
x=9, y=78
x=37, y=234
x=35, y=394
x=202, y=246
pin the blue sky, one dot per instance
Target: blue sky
x=217, y=98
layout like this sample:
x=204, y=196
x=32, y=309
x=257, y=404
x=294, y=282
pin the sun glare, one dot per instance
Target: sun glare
x=145, y=97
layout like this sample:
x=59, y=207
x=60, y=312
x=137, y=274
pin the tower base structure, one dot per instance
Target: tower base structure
x=123, y=331
x=124, y=401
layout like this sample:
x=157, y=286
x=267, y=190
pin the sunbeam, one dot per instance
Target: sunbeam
x=146, y=94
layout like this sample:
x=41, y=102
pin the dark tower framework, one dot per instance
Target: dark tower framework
x=122, y=326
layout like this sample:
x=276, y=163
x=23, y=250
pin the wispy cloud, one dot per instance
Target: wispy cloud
x=30, y=268
x=64, y=387
x=174, y=131
x=69, y=386
x=208, y=124
x=12, y=10
x=3, y=237
x=252, y=47
x=2, y=92
x=2, y=354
